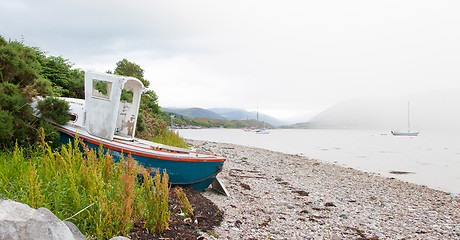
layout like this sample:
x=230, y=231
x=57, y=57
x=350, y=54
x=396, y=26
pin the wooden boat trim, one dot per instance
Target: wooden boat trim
x=141, y=153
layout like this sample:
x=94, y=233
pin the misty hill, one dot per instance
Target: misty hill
x=224, y=114
x=241, y=114
x=435, y=110
x=194, y=113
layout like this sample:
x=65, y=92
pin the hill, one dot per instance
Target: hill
x=194, y=113
x=230, y=114
x=241, y=114
x=435, y=110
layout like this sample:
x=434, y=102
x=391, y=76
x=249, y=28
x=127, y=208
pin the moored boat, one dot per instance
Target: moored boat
x=409, y=132
x=104, y=119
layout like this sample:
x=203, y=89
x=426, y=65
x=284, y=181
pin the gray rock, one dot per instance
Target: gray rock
x=75, y=231
x=119, y=238
x=19, y=221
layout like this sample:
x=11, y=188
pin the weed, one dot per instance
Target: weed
x=187, y=209
x=156, y=192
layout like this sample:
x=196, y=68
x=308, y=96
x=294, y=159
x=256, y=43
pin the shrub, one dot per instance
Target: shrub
x=54, y=109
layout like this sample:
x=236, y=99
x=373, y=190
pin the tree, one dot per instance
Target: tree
x=127, y=68
x=149, y=121
x=66, y=81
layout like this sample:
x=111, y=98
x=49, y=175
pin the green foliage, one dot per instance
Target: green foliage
x=187, y=209
x=215, y=123
x=155, y=129
x=69, y=180
x=101, y=86
x=17, y=123
x=152, y=125
x=6, y=126
x=54, y=109
x=66, y=81
x=126, y=95
x=19, y=64
x=169, y=137
x=127, y=68
x=3, y=42
x=149, y=102
x=21, y=80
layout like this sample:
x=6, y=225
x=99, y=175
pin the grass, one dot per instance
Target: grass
x=102, y=197
x=171, y=138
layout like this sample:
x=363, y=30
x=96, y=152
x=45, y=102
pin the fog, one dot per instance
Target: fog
x=434, y=110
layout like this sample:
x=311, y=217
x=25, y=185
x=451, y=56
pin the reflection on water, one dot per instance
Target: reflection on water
x=432, y=157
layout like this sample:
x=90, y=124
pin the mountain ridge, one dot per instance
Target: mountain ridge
x=223, y=114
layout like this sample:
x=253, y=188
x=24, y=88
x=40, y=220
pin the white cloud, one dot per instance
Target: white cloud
x=291, y=57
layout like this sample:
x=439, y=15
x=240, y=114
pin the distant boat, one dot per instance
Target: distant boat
x=102, y=119
x=260, y=130
x=408, y=133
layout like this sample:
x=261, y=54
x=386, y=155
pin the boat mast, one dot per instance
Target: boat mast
x=257, y=117
x=408, y=116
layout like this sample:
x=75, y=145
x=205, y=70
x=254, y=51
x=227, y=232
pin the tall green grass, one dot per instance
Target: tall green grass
x=171, y=138
x=70, y=180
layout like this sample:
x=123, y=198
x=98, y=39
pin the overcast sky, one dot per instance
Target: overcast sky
x=292, y=59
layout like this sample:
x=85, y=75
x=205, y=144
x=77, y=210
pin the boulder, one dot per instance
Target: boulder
x=19, y=221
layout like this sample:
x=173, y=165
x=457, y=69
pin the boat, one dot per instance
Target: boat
x=408, y=133
x=260, y=130
x=103, y=119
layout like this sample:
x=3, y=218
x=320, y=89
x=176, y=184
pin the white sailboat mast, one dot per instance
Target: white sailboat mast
x=408, y=116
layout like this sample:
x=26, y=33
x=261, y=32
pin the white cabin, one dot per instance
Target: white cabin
x=106, y=114
x=102, y=113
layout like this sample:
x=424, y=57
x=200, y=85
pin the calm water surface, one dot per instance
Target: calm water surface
x=433, y=158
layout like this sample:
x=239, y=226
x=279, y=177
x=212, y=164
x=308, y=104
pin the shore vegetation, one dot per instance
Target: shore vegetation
x=182, y=122
x=70, y=180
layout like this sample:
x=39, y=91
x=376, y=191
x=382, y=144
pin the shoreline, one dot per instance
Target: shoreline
x=284, y=196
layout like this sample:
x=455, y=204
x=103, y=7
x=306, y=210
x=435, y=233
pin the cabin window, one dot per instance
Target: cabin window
x=126, y=96
x=101, y=89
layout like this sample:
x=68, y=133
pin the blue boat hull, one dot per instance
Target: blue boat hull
x=197, y=174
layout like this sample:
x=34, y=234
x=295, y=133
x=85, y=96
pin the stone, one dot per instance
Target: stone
x=19, y=221
x=119, y=238
x=75, y=231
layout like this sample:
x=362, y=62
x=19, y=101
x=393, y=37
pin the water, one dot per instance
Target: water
x=432, y=158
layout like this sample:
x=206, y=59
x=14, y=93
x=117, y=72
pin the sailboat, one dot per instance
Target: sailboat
x=408, y=133
x=260, y=130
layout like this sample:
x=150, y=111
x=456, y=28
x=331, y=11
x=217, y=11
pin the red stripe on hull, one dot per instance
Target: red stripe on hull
x=143, y=154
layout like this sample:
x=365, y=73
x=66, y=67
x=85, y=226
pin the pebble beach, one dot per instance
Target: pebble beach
x=282, y=196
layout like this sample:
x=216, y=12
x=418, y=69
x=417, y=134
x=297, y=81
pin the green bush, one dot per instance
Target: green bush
x=54, y=109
